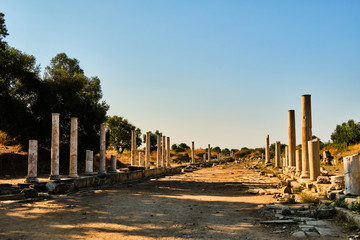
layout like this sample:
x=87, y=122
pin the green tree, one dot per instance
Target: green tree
x=120, y=133
x=346, y=133
x=225, y=151
x=183, y=147
x=216, y=149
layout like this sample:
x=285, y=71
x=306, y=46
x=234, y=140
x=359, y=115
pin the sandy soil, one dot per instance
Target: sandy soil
x=210, y=203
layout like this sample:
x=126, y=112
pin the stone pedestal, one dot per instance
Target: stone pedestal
x=113, y=164
x=352, y=175
x=306, y=128
x=163, y=157
x=277, y=154
x=133, y=148
x=209, y=153
x=192, y=152
x=55, y=147
x=89, y=162
x=314, y=158
x=147, y=150
x=267, y=151
x=141, y=159
x=298, y=162
x=168, y=152
x=32, y=162
x=73, y=148
x=102, y=164
x=158, y=152
x=292, y=138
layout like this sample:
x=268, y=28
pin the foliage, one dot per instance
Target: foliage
x=225, y=151
x=182, y=147
x=346, y=133
x=28, y=100
x=308, y=198
x=355, y=206
x=120, y=133
x=216, y=149
x=153, y=139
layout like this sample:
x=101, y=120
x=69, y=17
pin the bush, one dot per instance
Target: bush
x=308, y=198
x=346, y=133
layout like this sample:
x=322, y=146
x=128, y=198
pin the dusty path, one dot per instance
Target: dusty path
x=205, y=204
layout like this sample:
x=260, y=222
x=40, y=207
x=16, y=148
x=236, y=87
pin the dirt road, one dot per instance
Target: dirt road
x=210, y=203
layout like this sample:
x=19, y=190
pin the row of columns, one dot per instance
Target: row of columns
x=307, y=160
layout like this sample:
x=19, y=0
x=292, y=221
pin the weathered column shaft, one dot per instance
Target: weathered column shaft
x=168, y=152
x=73, y=148
x=277, y=154
x=352, y=175
x=113, y=164
x=147, y=151
x=267, y=151
x=141, y=159
x=55, y=150
x=158, y=153
x=163, y=148
x=306, y=130
x=32, y=161
x=314, y=158
x=102, y=164
x=292, y=138
x=209, y=153
x=204, y=157
x=298, y=162
x=89, y=162
x=133, y=148
x=286, y=156
x=192, y=152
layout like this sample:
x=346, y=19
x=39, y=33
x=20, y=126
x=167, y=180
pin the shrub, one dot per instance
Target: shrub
x=308, y=198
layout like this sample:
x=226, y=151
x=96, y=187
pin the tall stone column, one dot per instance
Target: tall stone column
x=277, y=154
x=133, y=148
x=113, y=164
x=314, y=158
x=209, y=153
x=168, y=151
x=286, y=156
x=306, y=130
x=163, y=147
x=147, y=151
x=192, y=152
x=267, y=151
x=158, y=152
x=102, y=164
x=55, y=148
x=73, y=148
x=352, y=175
x=89, y=162
x=298, y=162
x=292, y=138
x=32, y=162
x=141, y=159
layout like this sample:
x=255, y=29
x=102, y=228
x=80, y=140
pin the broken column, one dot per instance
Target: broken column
x=209, y=153
x=163, y=148
x=158, y=152
x=102, y=164
x=314, y=158
x=32, y=162
x=306, y=129
x=298, y=162
x=352, y=175
x=192, y=152
x=285, y=160
x=133, y=147
x=89, y=162
x=277, y=154
x=113, y=164
x=73, y=148
x=292, y=138
x=204, y=158
x=141, y=159
x=55, y=150
x=147, y=150
x=267, y=152
x=168, y=151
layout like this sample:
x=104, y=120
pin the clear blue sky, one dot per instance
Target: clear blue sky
x=218, y=72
